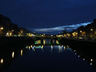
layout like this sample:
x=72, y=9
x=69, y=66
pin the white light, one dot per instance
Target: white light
x=1, y=61
x=13, y=53
x=91, y=60
x=1, y=28
x=31, y=46
x=21, y=52
x=51, y=47
x=64, y=47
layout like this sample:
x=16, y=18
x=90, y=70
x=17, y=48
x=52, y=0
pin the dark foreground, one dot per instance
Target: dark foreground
x=69, y=56
x=49, y=60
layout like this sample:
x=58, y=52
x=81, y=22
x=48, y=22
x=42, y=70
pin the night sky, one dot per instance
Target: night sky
x=34, y=14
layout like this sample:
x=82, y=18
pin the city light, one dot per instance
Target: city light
x=59, y=35
x=1, y=28
x=9, y=33
x=74, y=34
x=31, y=46
x=80, y=31
x=68, y=35
x=91, y=29
x=65, y=35
x=91, y=60
x=30, y=34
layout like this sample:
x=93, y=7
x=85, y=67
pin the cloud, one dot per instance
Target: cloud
x=60, y=28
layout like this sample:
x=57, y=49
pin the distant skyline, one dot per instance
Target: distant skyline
x=37, y=14
x=55, y=30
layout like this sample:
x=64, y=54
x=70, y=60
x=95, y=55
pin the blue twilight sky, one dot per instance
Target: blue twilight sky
x=38, y=14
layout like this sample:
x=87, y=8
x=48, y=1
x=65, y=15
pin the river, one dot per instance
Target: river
x=48, y=58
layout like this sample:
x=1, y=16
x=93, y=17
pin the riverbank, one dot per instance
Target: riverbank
x=12, y=46
x=85, y=49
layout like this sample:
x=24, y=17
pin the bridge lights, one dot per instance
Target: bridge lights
x=42, y=46
x=1, y=28
x=57, y=42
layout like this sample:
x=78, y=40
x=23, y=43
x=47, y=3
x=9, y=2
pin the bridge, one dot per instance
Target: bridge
x=46, y=41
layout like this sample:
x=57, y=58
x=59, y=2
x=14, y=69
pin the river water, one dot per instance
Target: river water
x=48, y=58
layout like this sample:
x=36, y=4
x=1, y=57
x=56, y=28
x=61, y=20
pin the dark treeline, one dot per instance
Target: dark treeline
x=83, y=32
x=6, y=25
x=88, y=28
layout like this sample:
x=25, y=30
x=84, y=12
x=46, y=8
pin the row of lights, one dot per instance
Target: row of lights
x=91, y=60
x=42, y=46
x=75, y=34
x=1, y=60
x=12, y=55
x=21, y=53
x=10, y=33
x=1, y=28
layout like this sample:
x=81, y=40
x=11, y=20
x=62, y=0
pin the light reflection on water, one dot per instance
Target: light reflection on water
x=39, y=49
x=59, y=48
x=21, y=52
